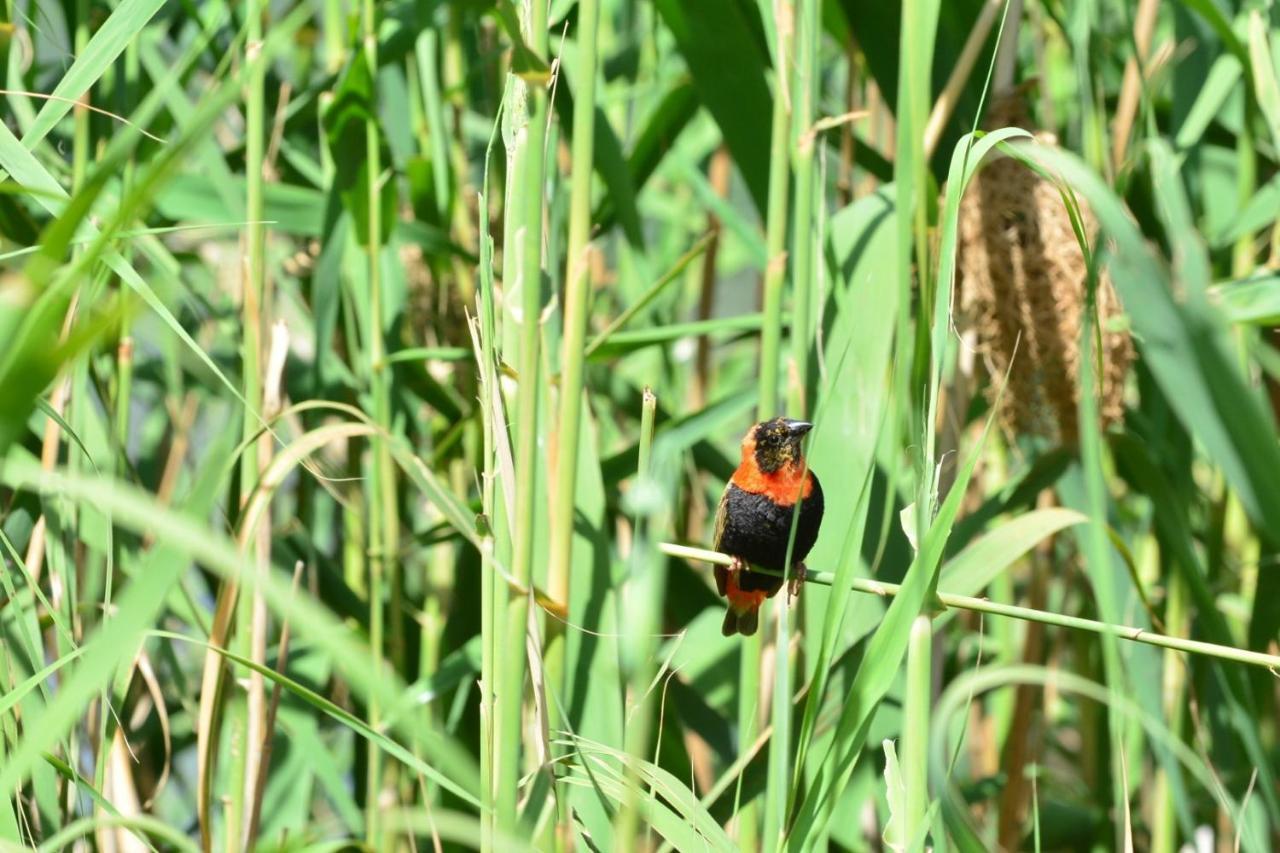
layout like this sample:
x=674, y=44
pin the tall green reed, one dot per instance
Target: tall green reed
x=245, y=714
x=525, y=114
x=573, y=348
x=652, y=127
x=803, y=86
x=769, y=384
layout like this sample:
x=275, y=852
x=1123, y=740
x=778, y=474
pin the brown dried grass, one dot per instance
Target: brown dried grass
x=1023, y=284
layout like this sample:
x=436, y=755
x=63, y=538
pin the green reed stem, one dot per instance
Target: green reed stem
x=494, y=532
x=527, y=111
x=911, y=183
x=914, y=753
x=644, y=450
x=333, y=20
x=1027, y=614
x=803, y=93
x=572, y=361
x=76, y=374
x=1242, y=252
x=383, y=523
x=646, y=586
x=238, y=713
x=775, y=273
x=427, y=56
x=81, y=130
x=1164, y=830
x=1096, y=546
x=488, y=577
x=573, y=351
x=775, y=276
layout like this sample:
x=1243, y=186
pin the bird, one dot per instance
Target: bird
x=753, y=521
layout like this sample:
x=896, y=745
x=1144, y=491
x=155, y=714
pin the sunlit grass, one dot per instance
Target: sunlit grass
x=370, y=372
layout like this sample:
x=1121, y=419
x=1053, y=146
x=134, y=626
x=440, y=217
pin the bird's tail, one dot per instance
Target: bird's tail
x=743, y=622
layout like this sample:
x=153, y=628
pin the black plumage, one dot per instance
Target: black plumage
x=756, y=528
x=755, y=517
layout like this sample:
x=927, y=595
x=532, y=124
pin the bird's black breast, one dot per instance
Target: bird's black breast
x=756, y=528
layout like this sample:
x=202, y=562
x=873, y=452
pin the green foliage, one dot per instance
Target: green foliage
x=360, y=364
x=344, y=124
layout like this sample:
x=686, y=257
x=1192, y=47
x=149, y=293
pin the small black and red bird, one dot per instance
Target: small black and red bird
x=753, y=523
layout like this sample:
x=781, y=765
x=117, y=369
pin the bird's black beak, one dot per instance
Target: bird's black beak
x=798, y=428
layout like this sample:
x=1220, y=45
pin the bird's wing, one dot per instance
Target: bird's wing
x=722, y=515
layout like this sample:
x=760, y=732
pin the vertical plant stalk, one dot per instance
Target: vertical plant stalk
x=124, y=385
x=107, y=731
x=454, y=79
x=573, y=351
x=427, y=58
x=950, y=95
x=495, y=530
x=282, y=649
x=804, y=85
x=775, y=276
x=259, y=730
x=1164, y=815
x=1131, y=90
x=919, y=30
x=719, y=172
x=80, y=130
x=1242, y=253
x=447, y=158
x=61, y=530
x=854, y=100
x=912, y=362
x=640, y=626
x=335, y=37
x=245, y=727
x=50, y=447
x=915, y=732
x=383, y=523
x=490, y=625
x=1018, y=745
x=124, y=349
x=527, y=109
x=1006, y=59
x=1080, y=28
x=1096, y=546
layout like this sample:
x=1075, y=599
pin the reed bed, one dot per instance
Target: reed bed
x=370, y=373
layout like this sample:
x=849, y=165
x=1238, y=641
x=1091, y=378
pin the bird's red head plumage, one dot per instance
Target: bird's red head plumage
x=772, y=462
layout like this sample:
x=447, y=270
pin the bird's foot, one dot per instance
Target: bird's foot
x=798, y=574
x=737, y=565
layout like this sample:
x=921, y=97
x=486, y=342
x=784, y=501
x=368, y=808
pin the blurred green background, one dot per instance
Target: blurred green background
x=360, y=363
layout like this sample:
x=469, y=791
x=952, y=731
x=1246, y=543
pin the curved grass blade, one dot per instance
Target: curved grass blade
x=140, y=604
x=123, y=25
x=1184, y=339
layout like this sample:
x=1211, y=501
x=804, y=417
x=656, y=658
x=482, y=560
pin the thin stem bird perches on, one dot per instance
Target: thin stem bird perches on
x=982, y=605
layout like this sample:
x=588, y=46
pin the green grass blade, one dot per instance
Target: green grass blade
x=124, y=24
x=1184, y=341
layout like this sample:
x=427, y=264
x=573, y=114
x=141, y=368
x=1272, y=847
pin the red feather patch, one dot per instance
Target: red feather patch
x=742, y=600
x=784, y=486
